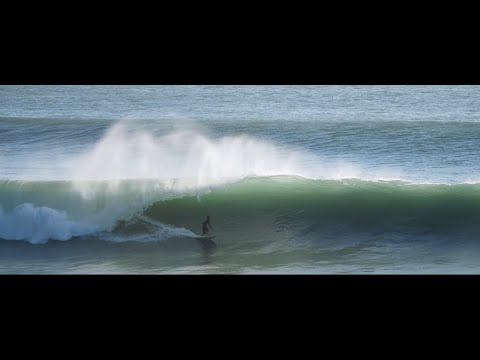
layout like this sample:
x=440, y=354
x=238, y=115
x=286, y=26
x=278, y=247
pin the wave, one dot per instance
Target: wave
x=37, y=211
x=269, y=206
x=253, y=207
x=249, y=185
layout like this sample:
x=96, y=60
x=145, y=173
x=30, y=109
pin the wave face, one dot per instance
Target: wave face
x=272, y=207
x=309, y=208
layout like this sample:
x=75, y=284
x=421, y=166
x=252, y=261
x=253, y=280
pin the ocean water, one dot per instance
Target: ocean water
x=296, y=179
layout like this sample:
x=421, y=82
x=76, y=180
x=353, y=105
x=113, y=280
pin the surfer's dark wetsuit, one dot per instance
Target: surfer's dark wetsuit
x=205, y=225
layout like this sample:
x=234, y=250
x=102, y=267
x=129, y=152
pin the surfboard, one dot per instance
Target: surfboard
x=206, y=237
x=207, y=241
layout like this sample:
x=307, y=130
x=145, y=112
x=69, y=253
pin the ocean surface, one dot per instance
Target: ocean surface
x=295, y=179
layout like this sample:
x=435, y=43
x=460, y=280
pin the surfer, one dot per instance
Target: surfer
x=205, y=227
